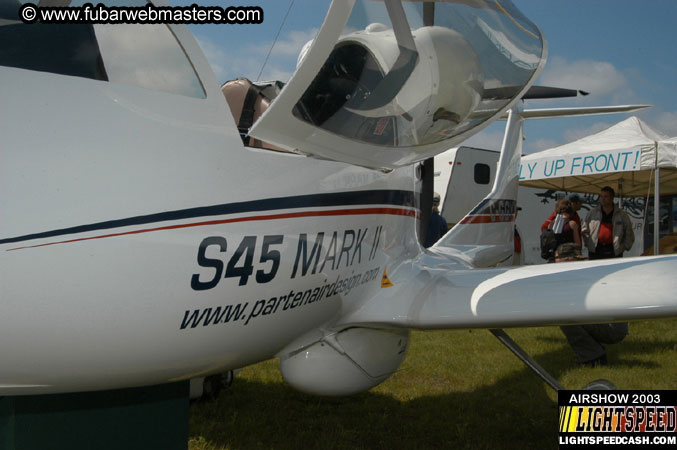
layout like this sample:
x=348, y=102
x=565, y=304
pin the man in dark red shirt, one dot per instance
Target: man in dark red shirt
x=607, y=232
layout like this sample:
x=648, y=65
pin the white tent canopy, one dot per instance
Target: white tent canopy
x=623, y=156
x=630, y=156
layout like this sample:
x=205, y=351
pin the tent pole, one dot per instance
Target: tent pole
x=656, y=203
x=656, y=211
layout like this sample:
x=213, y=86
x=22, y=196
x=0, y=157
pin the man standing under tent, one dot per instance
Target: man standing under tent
x=577, y=204
x=607, y=232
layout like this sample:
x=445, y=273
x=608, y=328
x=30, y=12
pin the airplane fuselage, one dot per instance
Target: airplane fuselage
x=141, y=242
x=151, y=245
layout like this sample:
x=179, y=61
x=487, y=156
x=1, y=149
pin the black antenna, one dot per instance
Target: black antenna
x=291, y=3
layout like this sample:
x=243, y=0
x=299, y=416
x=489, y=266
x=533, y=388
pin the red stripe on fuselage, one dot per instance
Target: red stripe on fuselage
x=338, y=212
x=487, y=219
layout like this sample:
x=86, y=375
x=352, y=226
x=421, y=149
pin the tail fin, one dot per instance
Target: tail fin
x=485, y=234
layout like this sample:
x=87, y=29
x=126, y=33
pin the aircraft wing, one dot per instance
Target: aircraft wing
x=438, y=297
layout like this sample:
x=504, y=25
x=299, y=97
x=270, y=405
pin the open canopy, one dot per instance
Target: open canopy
x=388, y=83
x=623, y=156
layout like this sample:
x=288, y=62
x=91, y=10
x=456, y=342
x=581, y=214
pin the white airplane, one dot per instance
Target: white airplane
x=142, y=242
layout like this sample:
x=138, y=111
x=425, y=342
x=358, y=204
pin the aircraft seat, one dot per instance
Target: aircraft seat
x=247, y=102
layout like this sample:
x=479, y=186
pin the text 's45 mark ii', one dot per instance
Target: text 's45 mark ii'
x=241, y=263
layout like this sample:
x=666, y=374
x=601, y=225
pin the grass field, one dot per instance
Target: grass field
x=456, y=389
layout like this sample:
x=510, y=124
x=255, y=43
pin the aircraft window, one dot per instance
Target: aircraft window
x=482, y=173
x=346, y=80
x=419, y=73
x=147, y=56
x=57, y=48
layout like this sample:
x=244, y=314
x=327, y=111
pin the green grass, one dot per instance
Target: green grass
x=456, y=389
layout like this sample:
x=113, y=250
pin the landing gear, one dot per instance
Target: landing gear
x=600, y=385
x=597, y=385
x=526, y=359
x=208, y=388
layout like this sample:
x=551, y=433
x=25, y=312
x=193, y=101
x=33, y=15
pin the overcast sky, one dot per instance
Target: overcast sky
x=621, y=51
